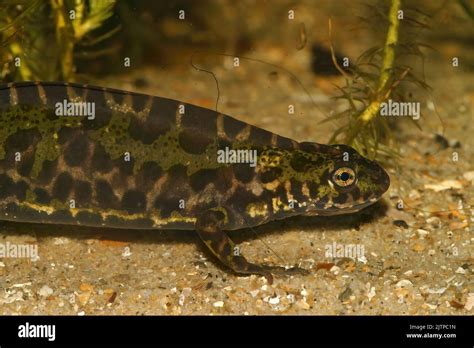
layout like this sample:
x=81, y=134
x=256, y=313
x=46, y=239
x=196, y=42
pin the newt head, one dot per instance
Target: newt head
x=333, y=179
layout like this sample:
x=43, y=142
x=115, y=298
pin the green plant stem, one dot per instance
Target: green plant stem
x=387, y=63
x=64, y=38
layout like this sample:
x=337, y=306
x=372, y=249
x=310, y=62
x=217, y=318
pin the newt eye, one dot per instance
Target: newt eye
x=344, y=176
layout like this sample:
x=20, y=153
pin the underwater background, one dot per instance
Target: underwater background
x=335, y=63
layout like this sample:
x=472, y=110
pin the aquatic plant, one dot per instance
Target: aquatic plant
x=374, y=79
x=40, y=37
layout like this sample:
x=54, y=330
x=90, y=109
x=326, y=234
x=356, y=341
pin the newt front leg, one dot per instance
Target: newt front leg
x=209, y=229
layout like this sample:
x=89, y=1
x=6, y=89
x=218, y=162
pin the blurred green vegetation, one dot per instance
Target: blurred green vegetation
x=77, y=39
x=42, y=39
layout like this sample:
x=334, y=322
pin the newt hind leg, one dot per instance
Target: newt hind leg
x=209, y=229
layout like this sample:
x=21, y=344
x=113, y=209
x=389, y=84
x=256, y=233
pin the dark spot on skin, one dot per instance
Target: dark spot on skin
x=221, y=178
x=200, y=119
x=355, y=192
x=299, y=162
x=193, y=143
x=147, y=176
x=242, y=198
x=101, y=161
x=76, y=151
x=199, y=207
x=270, y=174
x=139, y=102
x=42, y=196
x=233, y=127
x=296, y=191
x=102, y=112
x=65, y=134
x=134, y=202
x=82, y=193
x=98, y=96
x=79, y=91
x=26, y=163
x=202, y=178
x=115, y=221
x=118, y=97
x=175, y=188
x=6, y=186
x=208, y=223
x=162, y=115
x=4, y=98
x=105, y=196
x=55, y=94
x=243, y=172
x=280, y=192
x=62, y=186
x=223, y=143
x=61, y=216
x=310, y=147
x=47, y=172
x=147, y=131
x=88, y=219
x=198, y=129
x=125, y=167
x=313, y=189
x=28, y=95
x=21, y=140
x=20, y=189
x=324, y=199
x=341, y=198
x=222, y=247
x=260, y=137
x=224, y=180
x=284, y=143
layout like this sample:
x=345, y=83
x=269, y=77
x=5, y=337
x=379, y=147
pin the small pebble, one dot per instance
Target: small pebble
x=470, y=301
x=430, y=306
x=422, y=232
x=45, y=291
x=444, y=185
x=274, y=300
x=371, y=293
x=218, y=304
x=469, y=176
x=254, y=293
x=403, y=283
x=126, y=252
x=302, y=304
x=414, y=194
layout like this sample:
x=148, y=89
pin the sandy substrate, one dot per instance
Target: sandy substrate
x=420, y=266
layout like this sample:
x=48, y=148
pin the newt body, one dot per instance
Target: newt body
x=144, y=162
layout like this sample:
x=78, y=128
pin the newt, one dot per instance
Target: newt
x=100, y=157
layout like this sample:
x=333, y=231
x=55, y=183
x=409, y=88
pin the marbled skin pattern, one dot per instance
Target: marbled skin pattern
x=150, y=163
